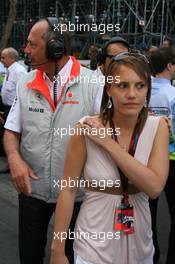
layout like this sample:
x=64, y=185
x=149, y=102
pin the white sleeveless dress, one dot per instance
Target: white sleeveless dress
x=97, y=211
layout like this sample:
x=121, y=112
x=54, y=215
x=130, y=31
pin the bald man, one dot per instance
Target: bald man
x=15, y=71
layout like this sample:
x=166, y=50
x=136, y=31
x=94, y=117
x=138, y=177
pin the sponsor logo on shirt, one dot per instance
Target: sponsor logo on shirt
x=70, y=99
x=36, y=110
x=160, y=111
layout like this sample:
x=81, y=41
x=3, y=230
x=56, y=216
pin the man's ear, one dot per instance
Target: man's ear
x=170, y=66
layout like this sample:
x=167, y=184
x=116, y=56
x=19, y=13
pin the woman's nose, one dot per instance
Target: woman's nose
x=131, y=92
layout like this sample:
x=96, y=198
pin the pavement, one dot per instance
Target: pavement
x=9, y=221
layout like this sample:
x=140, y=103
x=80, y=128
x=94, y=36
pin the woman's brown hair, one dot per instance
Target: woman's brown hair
x=142, y=69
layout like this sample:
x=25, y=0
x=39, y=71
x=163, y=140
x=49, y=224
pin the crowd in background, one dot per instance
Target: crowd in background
x=162, y=103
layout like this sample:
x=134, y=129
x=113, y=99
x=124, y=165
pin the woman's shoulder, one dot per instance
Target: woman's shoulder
x=159, y=120
x=154, y=118
x=156, y=123
x=152, y=121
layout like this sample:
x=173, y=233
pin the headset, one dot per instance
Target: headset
x=54, y=46
x=102, y=53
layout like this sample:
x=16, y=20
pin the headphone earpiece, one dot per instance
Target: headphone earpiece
x=54, y=46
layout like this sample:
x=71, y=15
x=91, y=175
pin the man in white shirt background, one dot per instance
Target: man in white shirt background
x=2, y=74
x=15, y=71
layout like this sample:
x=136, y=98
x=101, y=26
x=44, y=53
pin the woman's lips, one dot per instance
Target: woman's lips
x=131, y=104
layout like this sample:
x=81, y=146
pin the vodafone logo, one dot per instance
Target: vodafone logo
x=70, y=99
x=70, y=95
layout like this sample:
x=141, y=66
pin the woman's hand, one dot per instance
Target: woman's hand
x=169, y=123
x=58, y=258
x=94, y=129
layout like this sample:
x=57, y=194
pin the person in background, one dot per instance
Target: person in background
x=114, y=223
x=162, y=102
x=150, y=50
x=111, y=48
x=14, y=73
x=2, y=74
x=92, y=54
x=167, y=42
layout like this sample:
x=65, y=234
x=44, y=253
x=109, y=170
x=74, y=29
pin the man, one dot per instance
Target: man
x=167, y=42
x=111, y=48
x=92, y=54
x=162, y=102
x=15, y=71
x=2, y=74
x=50, y=100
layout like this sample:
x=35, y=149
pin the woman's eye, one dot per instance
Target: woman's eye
x=122, y=85
x=140, y=85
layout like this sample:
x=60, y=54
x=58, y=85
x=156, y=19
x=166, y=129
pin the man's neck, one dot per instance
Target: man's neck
x=164, y=75
x=10, y=64
x=54, y=67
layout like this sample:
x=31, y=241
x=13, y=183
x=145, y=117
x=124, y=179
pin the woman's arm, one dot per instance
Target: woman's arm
x=74, y=163
x=149, y=179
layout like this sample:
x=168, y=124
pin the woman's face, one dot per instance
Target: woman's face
x=129, y=94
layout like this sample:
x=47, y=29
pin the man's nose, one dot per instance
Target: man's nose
x=26, y=49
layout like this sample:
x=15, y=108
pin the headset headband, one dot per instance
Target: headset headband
x=54, y=47
x=52, y=21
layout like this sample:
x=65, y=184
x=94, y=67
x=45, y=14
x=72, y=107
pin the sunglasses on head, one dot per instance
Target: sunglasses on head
x=126, y=54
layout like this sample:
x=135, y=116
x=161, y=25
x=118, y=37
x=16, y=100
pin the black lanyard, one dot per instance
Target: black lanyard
x=55, y=94
x=131, y=151
x=55, y=88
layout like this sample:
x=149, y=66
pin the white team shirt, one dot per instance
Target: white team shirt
x=14, y=73
x=13, y=121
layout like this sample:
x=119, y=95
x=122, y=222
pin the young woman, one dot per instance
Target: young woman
x=114, y=225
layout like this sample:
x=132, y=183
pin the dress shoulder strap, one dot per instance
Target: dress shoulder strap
x=146, y=139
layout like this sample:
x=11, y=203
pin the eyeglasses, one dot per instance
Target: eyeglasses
x=126, y=54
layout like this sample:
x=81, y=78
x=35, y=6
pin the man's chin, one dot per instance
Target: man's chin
x=36, y=66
